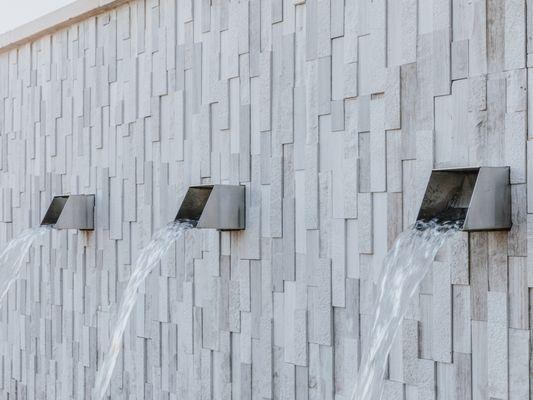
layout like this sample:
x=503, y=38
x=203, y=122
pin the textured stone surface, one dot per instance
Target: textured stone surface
x=332, y=113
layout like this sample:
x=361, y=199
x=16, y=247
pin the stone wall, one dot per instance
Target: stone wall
x=332, y=113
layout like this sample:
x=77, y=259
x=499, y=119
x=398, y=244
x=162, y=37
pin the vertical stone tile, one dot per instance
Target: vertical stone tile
x=497, y=261
x=518, y=234
x=459, y=56
x=515, y=34
x=338, y=263
x=529, y=250
x=442, y=67
x=311, y=187
x=408, y=88
x=479, y=275
x=477, y=44
x=392, y=99
x=378, y=166
x=497, y=343
x=319, y=306
x=426, y=379
x=458, y=257
x=462, y=331
x=515, y=145
x=442, y=313
x=496, y=56
x=518, y=293
x=394, y=161
x=519, y=372
x=463, y=376
x=365, y=223
x=445, y=380
x=479, y=360
x=350, y=174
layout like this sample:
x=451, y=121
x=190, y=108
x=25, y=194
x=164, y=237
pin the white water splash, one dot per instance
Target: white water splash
x=12, y=257
x=147, y=260
x=404, y=268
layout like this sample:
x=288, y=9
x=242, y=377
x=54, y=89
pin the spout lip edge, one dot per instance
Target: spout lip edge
x=469, y=168
x=505, y=229
x=457, y=169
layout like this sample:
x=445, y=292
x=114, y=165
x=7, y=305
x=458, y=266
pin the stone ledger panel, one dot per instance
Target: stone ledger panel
x=332, y=113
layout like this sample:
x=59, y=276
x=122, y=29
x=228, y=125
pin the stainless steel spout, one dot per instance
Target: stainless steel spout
x=71, y=212
x=481, y=196
x=219, y=207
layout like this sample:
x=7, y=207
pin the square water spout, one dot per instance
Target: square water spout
x=219, y=207
x=481, y=196
x=71, y=212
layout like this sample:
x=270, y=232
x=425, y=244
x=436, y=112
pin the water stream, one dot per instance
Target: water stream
x=12, y=257
x=404, y=268
x=147, y=260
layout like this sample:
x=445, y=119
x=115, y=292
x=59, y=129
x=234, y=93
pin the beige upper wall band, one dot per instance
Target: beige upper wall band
x=55, y=21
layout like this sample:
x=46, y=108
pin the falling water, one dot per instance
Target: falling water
x=404, y=268
x=147, y=260
x=12, y=257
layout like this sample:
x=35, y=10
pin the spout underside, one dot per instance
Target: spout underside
x=479, y=197
x=54, y=210
x=193, y=204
